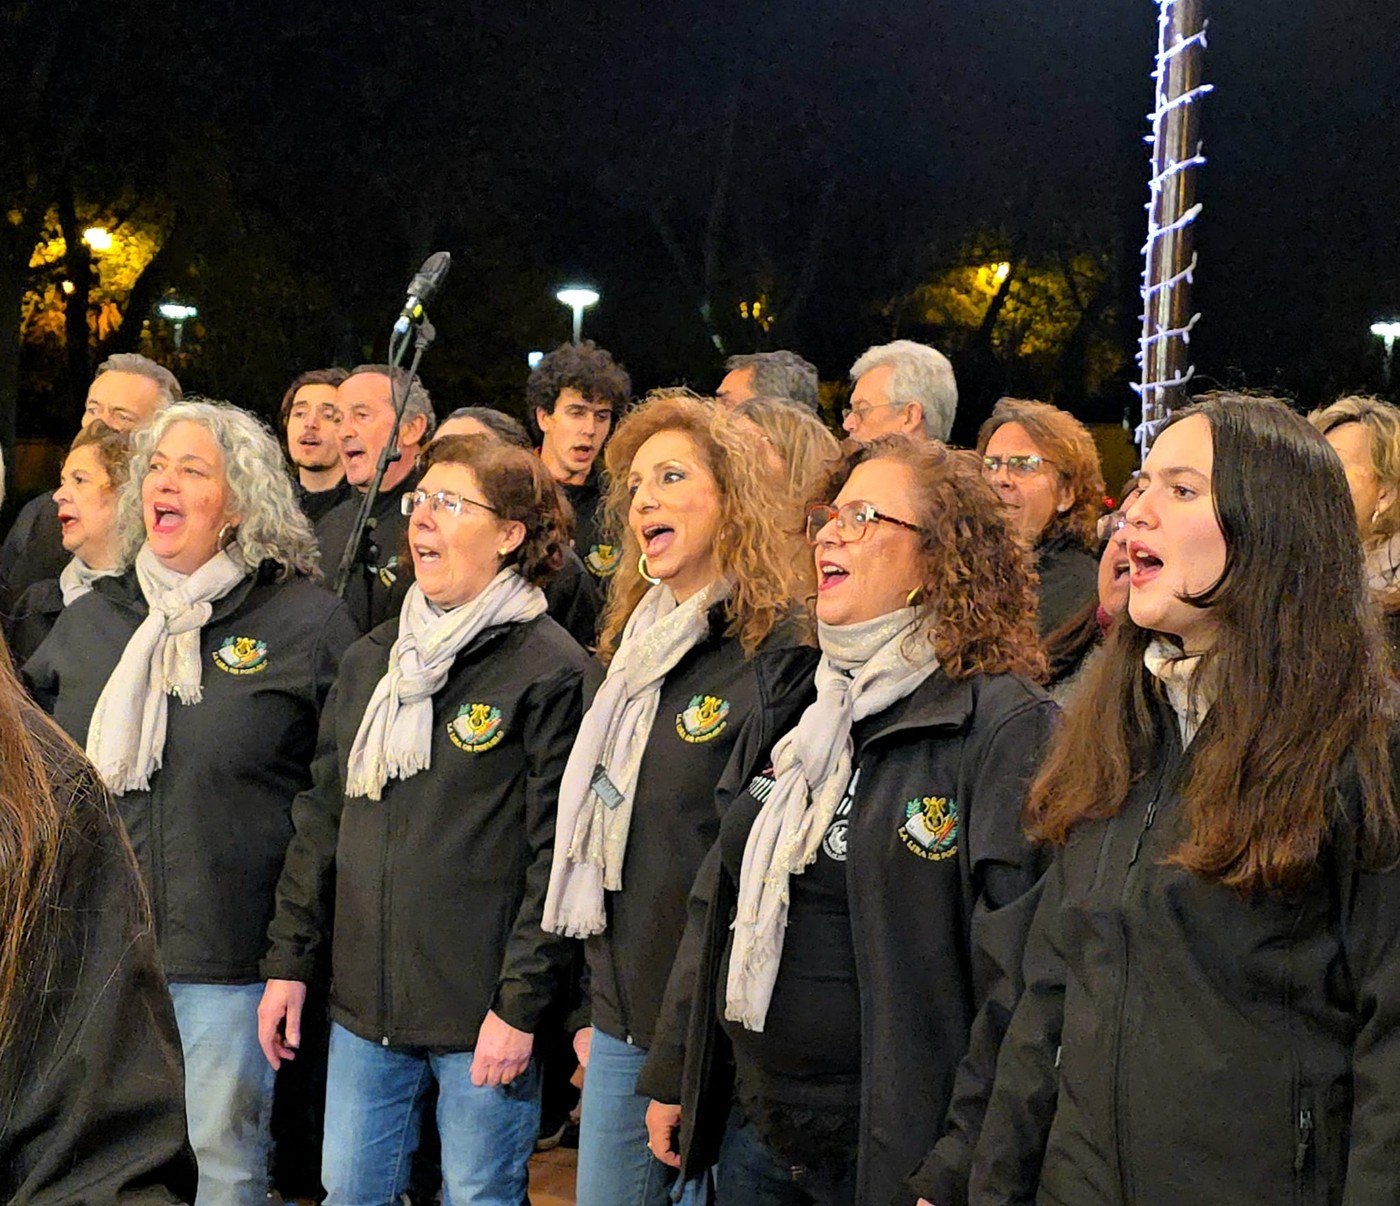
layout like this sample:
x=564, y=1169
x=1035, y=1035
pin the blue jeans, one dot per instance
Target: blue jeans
x=615, y=1167
x=228, y=1090
x=751, y=1172
x=374, y=1107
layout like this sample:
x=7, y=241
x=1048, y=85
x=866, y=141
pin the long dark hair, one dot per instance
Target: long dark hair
x=1300, y=675
x=41, y=774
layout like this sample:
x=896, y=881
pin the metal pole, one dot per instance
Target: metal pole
x=1169, y=255
x=578, y=323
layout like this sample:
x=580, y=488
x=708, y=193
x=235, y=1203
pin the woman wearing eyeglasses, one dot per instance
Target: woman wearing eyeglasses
x=1043, y=465
x=699, y=640
x=872, y=863
x=422, y=850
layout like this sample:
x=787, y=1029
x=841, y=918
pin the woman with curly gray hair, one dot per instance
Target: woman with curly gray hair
x=218, y=609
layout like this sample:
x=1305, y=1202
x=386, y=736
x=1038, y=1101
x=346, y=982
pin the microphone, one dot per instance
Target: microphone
x=422, y=288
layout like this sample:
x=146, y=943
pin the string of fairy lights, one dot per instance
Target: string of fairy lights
x=1169, y=260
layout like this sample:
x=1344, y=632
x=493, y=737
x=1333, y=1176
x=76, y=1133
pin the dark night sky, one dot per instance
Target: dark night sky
x=535, y=140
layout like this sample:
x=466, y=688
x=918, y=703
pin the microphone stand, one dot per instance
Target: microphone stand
x=424, y=334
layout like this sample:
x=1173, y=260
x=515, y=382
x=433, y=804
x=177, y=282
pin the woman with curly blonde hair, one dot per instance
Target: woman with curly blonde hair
x=872, y=863
x=1044, y=466
x=698, y=629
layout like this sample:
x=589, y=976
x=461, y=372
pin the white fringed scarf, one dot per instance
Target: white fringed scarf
x=395, y=737
x=126, y=737
x=595, y=796
x=864, y=669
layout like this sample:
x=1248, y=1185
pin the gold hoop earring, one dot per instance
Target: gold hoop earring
x=227, y=535
x=643, y=570
x=913, y=596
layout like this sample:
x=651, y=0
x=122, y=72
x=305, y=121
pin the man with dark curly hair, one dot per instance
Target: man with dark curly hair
x=571, y=398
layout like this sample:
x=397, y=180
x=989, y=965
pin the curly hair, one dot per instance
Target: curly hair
x=516, y=483
x=1382, y=423
x=808, y=450
x=273, y=527
x=752, y=549
x=585, y=367
x=325, y=376
x=978, y=594
x=1066, y=442
x=113, y=449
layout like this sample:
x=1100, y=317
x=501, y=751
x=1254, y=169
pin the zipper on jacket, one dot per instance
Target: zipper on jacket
x=1147, y=821
x=384, y=928
x=1304, y=1140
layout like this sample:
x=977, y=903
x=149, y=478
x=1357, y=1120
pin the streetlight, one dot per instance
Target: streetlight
x=98, y=238
x=578, y=298
x=1388, y=331
x=533, y=359
x=177, y=313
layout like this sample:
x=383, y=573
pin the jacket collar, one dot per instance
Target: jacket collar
x=939, y=702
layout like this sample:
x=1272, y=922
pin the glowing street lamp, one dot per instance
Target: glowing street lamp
x=578, y=298
x=533, y=359
x=1388, y=331
x=98, y=238
x=177, y=313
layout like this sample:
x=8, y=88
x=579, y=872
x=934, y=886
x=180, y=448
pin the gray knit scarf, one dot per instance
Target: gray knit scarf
x=595, y=796
x=76, y=578
x=864, y=669
x=395, y=738
x=126, y=737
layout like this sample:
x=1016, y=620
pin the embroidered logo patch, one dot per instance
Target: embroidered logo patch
x=834, y=841
x=704, y=719
x=602, y=560
x=476, y=728
x=241, y=655
x=930, y=827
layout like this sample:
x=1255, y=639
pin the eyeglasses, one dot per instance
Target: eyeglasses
x=853, y=521
x=1111, y=524
x=862, y=411
x=1016, y=466
x=443, y=500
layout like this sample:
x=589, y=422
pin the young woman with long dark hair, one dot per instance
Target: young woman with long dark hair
x=1212, y=1001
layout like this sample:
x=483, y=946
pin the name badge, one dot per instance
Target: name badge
x=601, y=784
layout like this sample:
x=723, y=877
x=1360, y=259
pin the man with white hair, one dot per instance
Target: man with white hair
x=126, y=391
x=901, y=388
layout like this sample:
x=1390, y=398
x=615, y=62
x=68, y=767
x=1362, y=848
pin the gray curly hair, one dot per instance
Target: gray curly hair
x=921, y=374
x=274, y=528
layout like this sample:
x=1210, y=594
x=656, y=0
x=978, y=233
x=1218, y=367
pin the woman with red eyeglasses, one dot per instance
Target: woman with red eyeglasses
x=872, y=864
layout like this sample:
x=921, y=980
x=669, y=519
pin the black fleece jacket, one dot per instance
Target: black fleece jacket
x=211, y=832
x=937, y=930
x=94, y=1105
x=1178, y=1042
x=706, y=703
x=434, y=893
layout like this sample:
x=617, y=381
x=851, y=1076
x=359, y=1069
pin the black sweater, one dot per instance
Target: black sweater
x=434, y=893
x=211, y=832
x=1177, y=1042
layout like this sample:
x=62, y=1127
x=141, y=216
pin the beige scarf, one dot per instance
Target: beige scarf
x=126, y=737
x=863, y=670
x=595, y=796
x=395, y=738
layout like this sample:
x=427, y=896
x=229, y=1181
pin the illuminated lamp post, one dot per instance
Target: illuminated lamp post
x=578, y=298
x=1388, y=331
x=179, y=314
